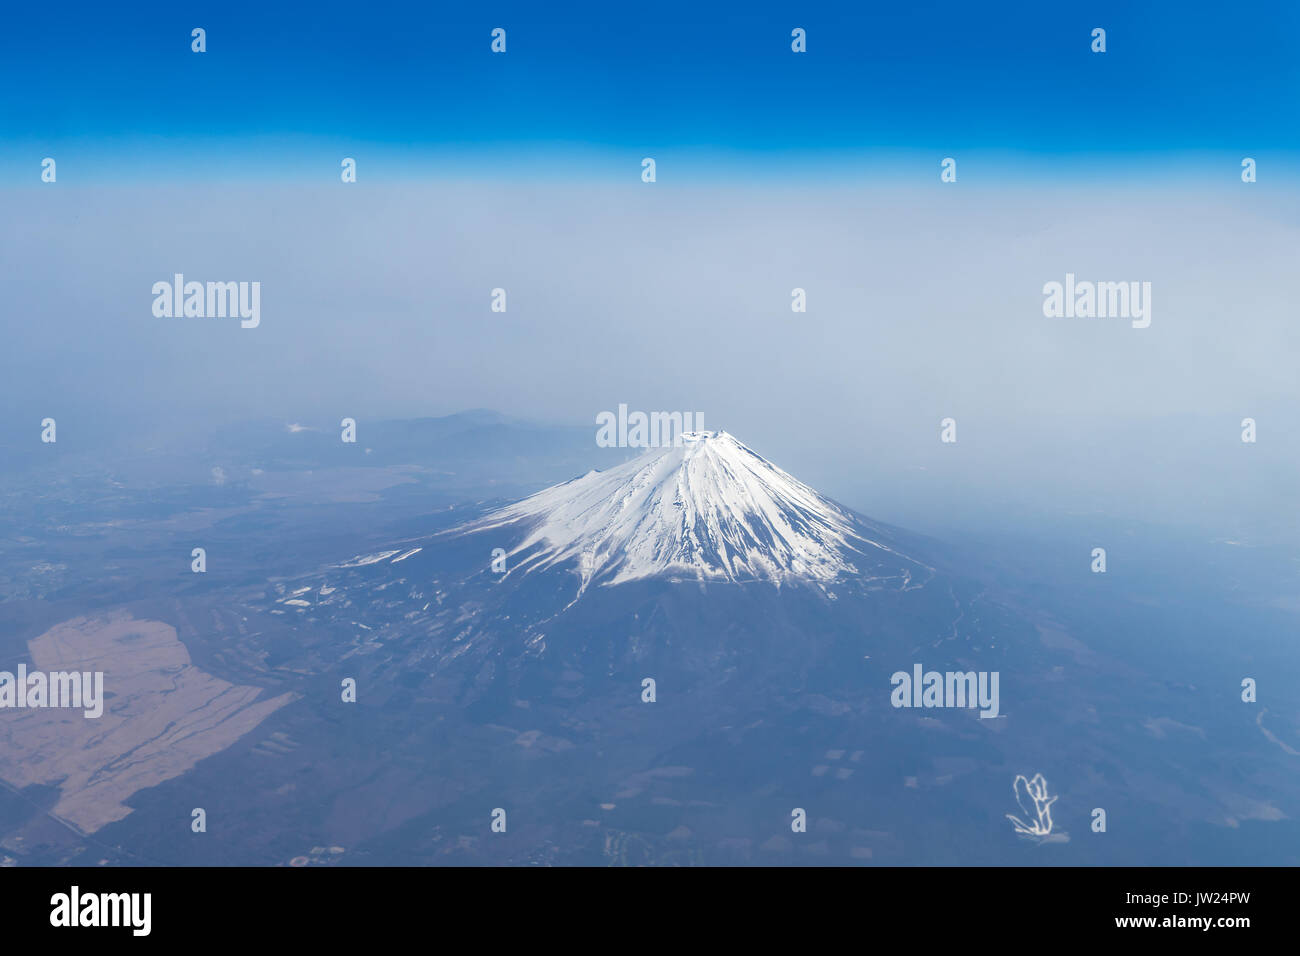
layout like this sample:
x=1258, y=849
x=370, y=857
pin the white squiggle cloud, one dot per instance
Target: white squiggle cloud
x=1032, y=793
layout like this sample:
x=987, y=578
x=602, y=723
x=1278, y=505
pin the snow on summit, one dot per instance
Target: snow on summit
x=707, y=508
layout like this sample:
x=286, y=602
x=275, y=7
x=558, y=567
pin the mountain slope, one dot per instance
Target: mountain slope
x=708, y=508
x=703, y=561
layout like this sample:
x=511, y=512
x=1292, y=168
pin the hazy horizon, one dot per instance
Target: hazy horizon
x=922, y=304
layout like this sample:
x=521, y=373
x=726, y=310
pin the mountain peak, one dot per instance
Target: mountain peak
x=707, y=507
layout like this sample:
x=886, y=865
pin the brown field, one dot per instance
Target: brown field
x=162, y=715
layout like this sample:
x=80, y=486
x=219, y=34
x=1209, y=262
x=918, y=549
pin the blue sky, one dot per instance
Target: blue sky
x=776, y=170
x=114, y=89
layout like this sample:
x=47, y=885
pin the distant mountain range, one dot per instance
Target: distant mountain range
x=476, y=445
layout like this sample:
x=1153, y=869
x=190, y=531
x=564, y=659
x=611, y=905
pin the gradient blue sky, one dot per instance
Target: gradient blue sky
x=114, y=90
x=776, y=170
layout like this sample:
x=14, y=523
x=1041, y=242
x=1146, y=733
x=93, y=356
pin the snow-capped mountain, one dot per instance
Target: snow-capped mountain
x=707, y=508
x=702, y=565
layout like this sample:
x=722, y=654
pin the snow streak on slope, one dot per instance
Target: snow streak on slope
x=708, y=508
